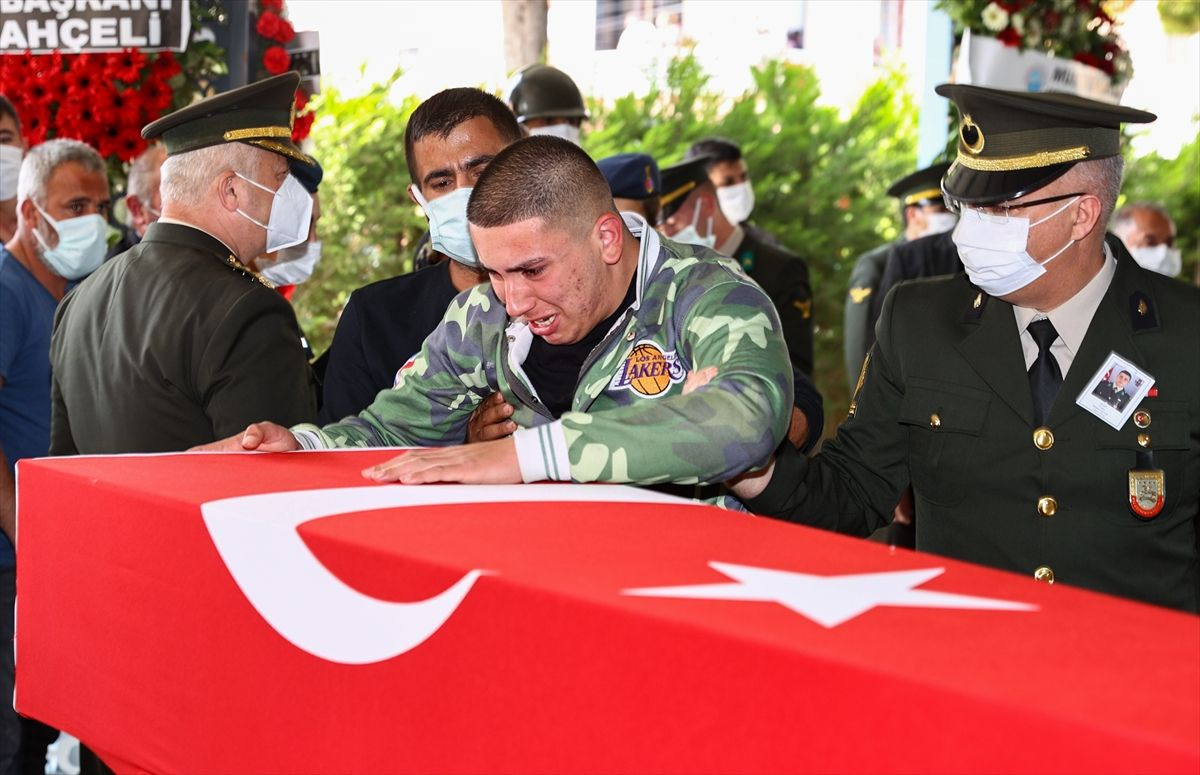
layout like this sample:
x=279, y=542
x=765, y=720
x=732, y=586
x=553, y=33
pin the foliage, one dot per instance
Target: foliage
x=820, y=177
x=1180, y=17
x=368, y=226
x=1083, y=30
x=1174, y=184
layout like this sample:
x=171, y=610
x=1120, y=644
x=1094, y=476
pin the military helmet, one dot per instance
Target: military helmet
x=542, y=91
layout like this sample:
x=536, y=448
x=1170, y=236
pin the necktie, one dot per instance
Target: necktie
x=1045, y=378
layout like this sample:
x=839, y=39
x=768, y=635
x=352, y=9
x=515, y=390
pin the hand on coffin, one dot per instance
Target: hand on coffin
x=260, y=437
x=488, y=462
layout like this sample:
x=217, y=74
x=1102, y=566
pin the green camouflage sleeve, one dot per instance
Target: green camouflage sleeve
x=727, y=427
x=434, y=393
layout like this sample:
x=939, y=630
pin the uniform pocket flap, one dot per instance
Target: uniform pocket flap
x=1167, y=429
x=941, y=406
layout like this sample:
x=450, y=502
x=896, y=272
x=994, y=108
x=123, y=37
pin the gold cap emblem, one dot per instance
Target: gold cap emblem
x=971, y=135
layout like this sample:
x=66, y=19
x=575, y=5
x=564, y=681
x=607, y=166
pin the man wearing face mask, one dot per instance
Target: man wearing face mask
x=177, y=341
x=547, y=102
x=1149, y=233
x=922, y=213
x=292, y=266
x=730, y=175
x=448, y=143
x=978, y=390
x=142, y=200
x=63, y=200
x=692, y=213
x=11, y=148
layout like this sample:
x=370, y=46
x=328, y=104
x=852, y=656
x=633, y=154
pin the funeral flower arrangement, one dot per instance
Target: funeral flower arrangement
x=1082, y=30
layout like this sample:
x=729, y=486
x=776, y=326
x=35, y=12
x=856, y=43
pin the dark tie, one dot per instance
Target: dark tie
x=1045, y=378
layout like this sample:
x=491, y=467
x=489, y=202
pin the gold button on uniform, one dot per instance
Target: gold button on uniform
x=935, y=421
x=1043, y=439
x=1143, y=439
x=1141, y=418
x=1044, y=574
x=1047, y=506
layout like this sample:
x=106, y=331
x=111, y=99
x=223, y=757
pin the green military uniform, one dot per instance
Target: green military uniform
x=946, y=404
x=170, y=345
x=784, y=276
x=629, y=420
x=175, y=342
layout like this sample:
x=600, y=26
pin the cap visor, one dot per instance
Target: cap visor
x=977, y=187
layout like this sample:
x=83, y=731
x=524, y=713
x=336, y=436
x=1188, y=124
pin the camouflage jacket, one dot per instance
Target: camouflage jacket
x=629, y=421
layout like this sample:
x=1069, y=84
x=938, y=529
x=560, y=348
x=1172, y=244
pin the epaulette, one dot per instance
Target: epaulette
x=1142, y=315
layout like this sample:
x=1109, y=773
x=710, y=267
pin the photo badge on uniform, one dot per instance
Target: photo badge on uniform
x=1115, y=390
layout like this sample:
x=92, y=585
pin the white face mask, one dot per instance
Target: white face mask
x=293, y=265
x=938, y=223
x=1160, y=258
x=993, y=249
x=291, y=211
x=10, y=170
x=565, y=131
x=688, y=234
x=737, y=201
x=448, y=232
x=82, y=243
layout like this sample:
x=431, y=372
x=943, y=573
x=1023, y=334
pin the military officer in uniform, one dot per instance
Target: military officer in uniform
x=970, y=391
x=923, y=212
x=177, y=342
x=692, y=213
x=1113, y=393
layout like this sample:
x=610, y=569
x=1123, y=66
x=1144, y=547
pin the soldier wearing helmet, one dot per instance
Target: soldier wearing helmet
x=547, y=102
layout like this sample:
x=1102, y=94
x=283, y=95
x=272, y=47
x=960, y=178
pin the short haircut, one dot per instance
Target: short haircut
x=42, y=160
x=1102, y=178
x=186, y=177
x=143, y=173
x=1127, y=374
x=1122, y=220
x=10, y=110
x=717, y=149
x=445, y=110
x=541, y=177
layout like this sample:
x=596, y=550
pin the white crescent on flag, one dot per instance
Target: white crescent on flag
x=318, y=612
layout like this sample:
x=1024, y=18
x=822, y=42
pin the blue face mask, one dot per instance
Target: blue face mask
x=82, y=243
x=448, y=232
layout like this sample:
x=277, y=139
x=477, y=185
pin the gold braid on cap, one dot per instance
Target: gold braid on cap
x=257, y=132
x=671, y=197
x=929, y=193
x=1026, y=162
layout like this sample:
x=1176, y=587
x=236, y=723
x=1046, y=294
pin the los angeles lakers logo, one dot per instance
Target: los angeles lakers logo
x=648, y=371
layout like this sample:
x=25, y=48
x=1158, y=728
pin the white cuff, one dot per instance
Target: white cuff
x=542, y=453
x=308, y=439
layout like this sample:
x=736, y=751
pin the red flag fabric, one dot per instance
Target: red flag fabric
x=277, y=613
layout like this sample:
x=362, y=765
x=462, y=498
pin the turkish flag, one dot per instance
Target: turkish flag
x=276, y=613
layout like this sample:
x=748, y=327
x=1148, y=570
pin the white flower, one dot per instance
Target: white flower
x=1018, y=23
x=995, y=18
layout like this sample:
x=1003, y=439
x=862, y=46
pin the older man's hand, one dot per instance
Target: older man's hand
x=486, y=462
x=260, y=437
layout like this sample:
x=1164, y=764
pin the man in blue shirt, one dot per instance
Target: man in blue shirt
x=62, y=209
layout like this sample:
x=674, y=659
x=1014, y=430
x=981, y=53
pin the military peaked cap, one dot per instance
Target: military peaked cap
x=921, y=187
x=679, y=180
x=1011, y=143
x=631, y=175
x=260, y=114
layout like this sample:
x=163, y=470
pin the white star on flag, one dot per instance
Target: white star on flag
x=830, y=600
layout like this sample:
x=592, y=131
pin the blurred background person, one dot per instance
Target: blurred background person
x=143, y=203
x=11, y=148
x=691, y=213
x=635, y=183
x=1149, y=232
x=730, y=176
x=922, y=212
x=547, y=102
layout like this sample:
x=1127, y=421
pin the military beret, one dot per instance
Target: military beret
x=309, y=175
x=679, y=180
x=631, y=175
x=260, y=114
x=921, y=187
x=1011, y=143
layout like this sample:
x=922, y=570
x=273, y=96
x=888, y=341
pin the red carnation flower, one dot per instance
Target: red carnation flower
x=129, y=144
x=126, y=66
x=165, y=65
x=158, y=97
x=301, y=100
x=1009, y=37
x=286, y=31
x=302, y=126
x=268, y=25
x=80, y=82
x=35, y=124
x=276, y=60
x=272, y=5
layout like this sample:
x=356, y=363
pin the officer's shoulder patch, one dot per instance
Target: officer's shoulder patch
x=976, y=307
